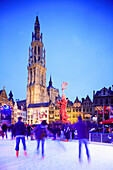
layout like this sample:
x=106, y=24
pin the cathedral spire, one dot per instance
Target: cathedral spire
x=37, y=29
x=50, y=81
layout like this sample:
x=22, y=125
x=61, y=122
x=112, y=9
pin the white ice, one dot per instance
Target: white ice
x=59, y=155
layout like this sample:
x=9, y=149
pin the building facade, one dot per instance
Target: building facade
x=6, y=107
x=39, y=96
x=101, y=98
x=20, y=110
x=87, y=108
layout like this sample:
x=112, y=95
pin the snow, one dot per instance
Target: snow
x=59, y=155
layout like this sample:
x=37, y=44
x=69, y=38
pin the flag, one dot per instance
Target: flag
x=106, y=108
x=45, y=114
x=100, y=112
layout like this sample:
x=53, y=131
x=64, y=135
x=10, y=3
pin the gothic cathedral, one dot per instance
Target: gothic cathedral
x=38, y=95
x=36, y=87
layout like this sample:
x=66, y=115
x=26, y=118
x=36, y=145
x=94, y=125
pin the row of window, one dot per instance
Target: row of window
x=87, y=103
x=79, y=110
x=102, y=101
x=75, y=116
x=87, y=110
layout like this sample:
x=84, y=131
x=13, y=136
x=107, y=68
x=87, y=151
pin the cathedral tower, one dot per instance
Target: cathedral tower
x=36, y=83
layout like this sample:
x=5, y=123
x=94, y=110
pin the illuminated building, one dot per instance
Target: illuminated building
x=100, y=98
x=20, y=110
x=6, y=106
x=39, y=96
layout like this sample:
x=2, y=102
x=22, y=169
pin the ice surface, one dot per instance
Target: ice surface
x=59, y=155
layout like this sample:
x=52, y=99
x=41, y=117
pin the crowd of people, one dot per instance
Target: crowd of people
x=55, y=130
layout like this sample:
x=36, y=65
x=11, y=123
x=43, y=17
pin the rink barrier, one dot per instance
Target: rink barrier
x=101, y=137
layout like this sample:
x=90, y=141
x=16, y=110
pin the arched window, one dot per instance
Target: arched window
x=38, y=50
x=30, y=76
x=34, y=75
x=30, y=95
x=35, y=50
x=34, y=59
x=42, y=79
x=39, y=58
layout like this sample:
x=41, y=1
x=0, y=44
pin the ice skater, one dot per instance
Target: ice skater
x=4, y=128
x=19, y=132
x=40, y=134
x=83, y=134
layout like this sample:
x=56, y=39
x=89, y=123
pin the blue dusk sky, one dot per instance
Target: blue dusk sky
x=78, y=39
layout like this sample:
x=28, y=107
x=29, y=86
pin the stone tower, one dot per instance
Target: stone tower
x=36, y=83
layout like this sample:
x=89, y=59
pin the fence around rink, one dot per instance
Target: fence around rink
x=93, y=137
x=101, y=137
x=97, y=137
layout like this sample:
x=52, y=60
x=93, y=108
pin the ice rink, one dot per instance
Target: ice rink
x=59, y=155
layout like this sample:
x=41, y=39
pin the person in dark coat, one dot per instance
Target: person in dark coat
x=29, y=128
x=83, y=134
x=19, y=132
x=12, y=131
x=4, y=128
x=40, y=134
x=55, y=131
x=67, y=132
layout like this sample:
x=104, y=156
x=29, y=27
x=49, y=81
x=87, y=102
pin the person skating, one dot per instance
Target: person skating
x=29, y=128
x=4, y=128
x=19, y=133
x=40, y=134
x=83, y=134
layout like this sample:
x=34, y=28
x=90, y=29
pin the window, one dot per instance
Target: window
x=104, y=92
x=31, y=76
x=90, y=109
x=42, y=79
x=106, y=101
x=34, y=75
x=30, y=95
x=34, y=59
x=96, y=101
x=101, y=101
x=35, y=50
x=39, y=58
x=69, y=110
x=38, y=50
x=111, y=101
x=73, y=110
x=73, y=115
x=77, y=115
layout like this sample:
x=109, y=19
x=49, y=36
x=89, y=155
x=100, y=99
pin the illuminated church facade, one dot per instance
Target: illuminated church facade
x=40, y=98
